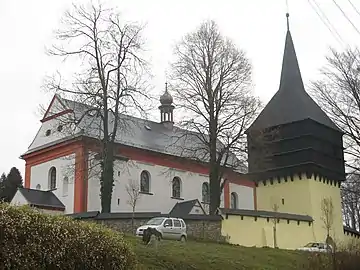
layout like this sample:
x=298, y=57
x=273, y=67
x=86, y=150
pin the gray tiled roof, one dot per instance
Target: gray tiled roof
x=181, y=209
x=41, y=198
x=265, y=214
x=291, y=103
x=149, y=135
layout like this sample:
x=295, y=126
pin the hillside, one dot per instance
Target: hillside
x=201, y=255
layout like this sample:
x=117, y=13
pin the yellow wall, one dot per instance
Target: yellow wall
x=303, y=197
x=350, y=240
x=292, y=192
x=259, y=233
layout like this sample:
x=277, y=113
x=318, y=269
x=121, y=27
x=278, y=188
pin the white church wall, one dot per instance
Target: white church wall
x=245, y=196
x=160, y=199
x=65, y=167
x=43, y=138
x=93, y=201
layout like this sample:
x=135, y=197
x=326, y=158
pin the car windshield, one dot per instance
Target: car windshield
x=155, y=221
x=312, y=245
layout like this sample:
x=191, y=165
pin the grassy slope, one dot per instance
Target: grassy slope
x=198, y=255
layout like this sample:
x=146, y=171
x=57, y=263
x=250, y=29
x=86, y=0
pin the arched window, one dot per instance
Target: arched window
x=145, y=181
x=38, y=187
x=65, y=186
x=176, y=187
x=205, y=192
x=52, y=178
x=233, y=200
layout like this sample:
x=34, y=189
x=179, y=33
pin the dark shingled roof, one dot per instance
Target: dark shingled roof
x=351, y=231
x=291, y=103
x=265, y=214
x=40, y=198
x=182, y=209
x=84, y=215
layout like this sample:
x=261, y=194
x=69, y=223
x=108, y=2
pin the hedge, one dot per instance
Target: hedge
x=32, y=240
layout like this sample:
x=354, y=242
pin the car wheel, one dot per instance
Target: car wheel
x=182, y=239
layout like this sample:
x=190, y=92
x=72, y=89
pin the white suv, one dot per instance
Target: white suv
x=170, y=228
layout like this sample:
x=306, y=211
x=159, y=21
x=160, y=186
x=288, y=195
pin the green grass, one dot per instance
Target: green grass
x=203, y=255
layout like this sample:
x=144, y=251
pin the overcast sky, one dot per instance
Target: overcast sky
x=256, y=26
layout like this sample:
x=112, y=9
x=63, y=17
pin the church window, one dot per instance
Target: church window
x=52, y=178
x=145, y=182
x=205, y=192
x=38, y=187
x=233, y=200
x=65, y=186
x=48, y=132
x=176, y=187
x=283, y=201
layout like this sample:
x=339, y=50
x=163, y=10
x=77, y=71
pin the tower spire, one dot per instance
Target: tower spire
x=291, y=94
x=287, y=21
x=166, y=108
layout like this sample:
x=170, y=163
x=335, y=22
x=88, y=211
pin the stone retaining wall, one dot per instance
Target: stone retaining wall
x=198, y=226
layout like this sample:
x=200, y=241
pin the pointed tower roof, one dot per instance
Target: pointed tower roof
x=291, y=102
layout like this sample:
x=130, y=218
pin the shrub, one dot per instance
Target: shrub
x=31, y=240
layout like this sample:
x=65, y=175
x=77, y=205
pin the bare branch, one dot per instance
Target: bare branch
x=110, y=83
x=211, y=80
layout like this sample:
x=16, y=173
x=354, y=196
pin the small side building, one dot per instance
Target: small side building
x=44, y=201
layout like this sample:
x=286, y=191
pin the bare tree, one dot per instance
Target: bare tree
x=111, y=81
x=327, y=215
x=350, y=200
x=338, y=93
x=275, y=220
x=133, y=190
x=211, y=79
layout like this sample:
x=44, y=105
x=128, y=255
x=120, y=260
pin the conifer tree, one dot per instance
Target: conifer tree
x=10, y=184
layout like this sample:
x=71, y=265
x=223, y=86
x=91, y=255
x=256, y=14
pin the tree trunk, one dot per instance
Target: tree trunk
x=132, y=219
x=214, y=190
x=274, y=234
x=107, y=178
x=214, y=169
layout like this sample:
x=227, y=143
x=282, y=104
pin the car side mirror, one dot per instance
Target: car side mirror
x=166, y=225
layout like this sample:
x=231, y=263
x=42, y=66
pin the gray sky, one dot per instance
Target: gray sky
x=256, y=26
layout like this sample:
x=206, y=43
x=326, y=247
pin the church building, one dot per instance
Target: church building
x=153, y=156
x=289, y=174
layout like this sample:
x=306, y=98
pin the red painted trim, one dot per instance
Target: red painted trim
x=55, y=97
x=227, y=195
x=170, y=161
x=51, y=103
x=80, y=192
x=61, y=150
x=56, y=115
x=77, y=146
x=27, y=175
x=86, y=179
x=51, y=152
x=163, y=160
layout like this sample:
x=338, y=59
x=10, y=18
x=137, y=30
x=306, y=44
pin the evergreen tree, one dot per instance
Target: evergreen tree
x=2, y=184
x=10, y=184
x=2, y=178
